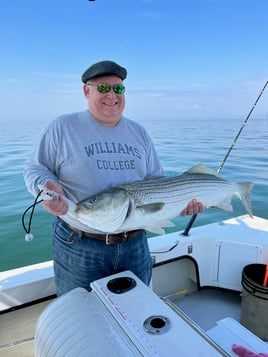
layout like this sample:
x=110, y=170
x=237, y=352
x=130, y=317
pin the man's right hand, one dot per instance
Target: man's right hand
x=244, y=352
x=57, y=206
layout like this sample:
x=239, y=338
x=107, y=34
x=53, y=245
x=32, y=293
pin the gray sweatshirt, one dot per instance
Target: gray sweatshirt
x=86, y=157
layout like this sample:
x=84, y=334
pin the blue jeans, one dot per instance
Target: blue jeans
x=79, y=260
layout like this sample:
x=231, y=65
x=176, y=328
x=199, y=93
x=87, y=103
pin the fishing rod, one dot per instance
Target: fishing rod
x=191, y=222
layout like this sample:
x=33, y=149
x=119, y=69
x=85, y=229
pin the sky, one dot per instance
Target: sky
x=186, y=59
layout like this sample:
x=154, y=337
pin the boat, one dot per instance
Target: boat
x=199, y=302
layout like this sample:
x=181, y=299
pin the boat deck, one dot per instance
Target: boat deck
x=204, y=307
x=209, y=305
x=17, y=330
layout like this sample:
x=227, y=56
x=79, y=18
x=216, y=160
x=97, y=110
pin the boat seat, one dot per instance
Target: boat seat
x=82, y=332
x=228, y=332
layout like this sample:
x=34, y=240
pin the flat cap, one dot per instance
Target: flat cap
x=104, y=68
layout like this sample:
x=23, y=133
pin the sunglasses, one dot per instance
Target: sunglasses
x=106, y=87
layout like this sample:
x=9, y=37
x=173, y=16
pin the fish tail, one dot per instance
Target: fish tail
x=245, y=196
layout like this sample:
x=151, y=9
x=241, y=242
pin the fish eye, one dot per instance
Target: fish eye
x=93, y=199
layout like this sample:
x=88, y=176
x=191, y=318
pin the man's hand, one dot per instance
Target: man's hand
x=244, y=352
x=193, y=207
x=57, y=206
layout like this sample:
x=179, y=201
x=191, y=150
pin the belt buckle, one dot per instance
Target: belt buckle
x=122, y=237
x=107, y=239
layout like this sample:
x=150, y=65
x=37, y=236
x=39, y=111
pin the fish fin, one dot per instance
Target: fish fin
x=201, y=169
x=224, y=205
x=157, y=230
x=152, y=207
x=157, y=227
x=245, y=193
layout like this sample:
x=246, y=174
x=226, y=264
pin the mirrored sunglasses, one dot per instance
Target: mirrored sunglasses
x=106, y=87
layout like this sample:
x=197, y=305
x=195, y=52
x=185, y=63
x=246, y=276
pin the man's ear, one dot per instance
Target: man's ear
x=86, y=90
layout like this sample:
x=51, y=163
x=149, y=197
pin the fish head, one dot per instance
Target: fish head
x=106, y=211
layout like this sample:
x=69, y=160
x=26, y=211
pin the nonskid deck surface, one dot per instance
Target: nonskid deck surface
x=209, y=305
x=17, y=330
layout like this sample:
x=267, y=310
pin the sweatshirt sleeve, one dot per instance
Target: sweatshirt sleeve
x=41, y=166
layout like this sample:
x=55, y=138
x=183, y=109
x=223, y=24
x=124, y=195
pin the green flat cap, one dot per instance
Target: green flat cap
x=104, y=68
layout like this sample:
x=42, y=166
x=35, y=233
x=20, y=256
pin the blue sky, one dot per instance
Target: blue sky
x=185, y=58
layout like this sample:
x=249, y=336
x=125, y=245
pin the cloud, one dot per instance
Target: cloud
x=199, y=100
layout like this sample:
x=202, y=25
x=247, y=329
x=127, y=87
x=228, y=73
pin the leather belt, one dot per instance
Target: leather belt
x=118, y=238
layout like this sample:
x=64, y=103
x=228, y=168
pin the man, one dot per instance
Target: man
x=81, y=154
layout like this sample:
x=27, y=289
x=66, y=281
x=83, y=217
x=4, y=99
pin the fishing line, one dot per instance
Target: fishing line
x=29, y=235
x=187, y=229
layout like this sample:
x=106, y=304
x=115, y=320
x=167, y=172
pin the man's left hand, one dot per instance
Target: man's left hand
x=193, y=207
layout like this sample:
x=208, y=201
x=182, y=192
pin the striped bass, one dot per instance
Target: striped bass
x=151, y=203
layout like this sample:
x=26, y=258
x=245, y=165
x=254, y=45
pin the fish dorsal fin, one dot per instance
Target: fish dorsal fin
x=201, y=169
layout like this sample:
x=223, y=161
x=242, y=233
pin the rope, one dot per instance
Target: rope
x=28, y=235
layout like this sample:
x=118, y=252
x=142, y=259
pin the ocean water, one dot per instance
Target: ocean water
x=180, y=144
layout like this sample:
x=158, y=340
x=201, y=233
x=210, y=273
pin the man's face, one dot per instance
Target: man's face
x=105, y=107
